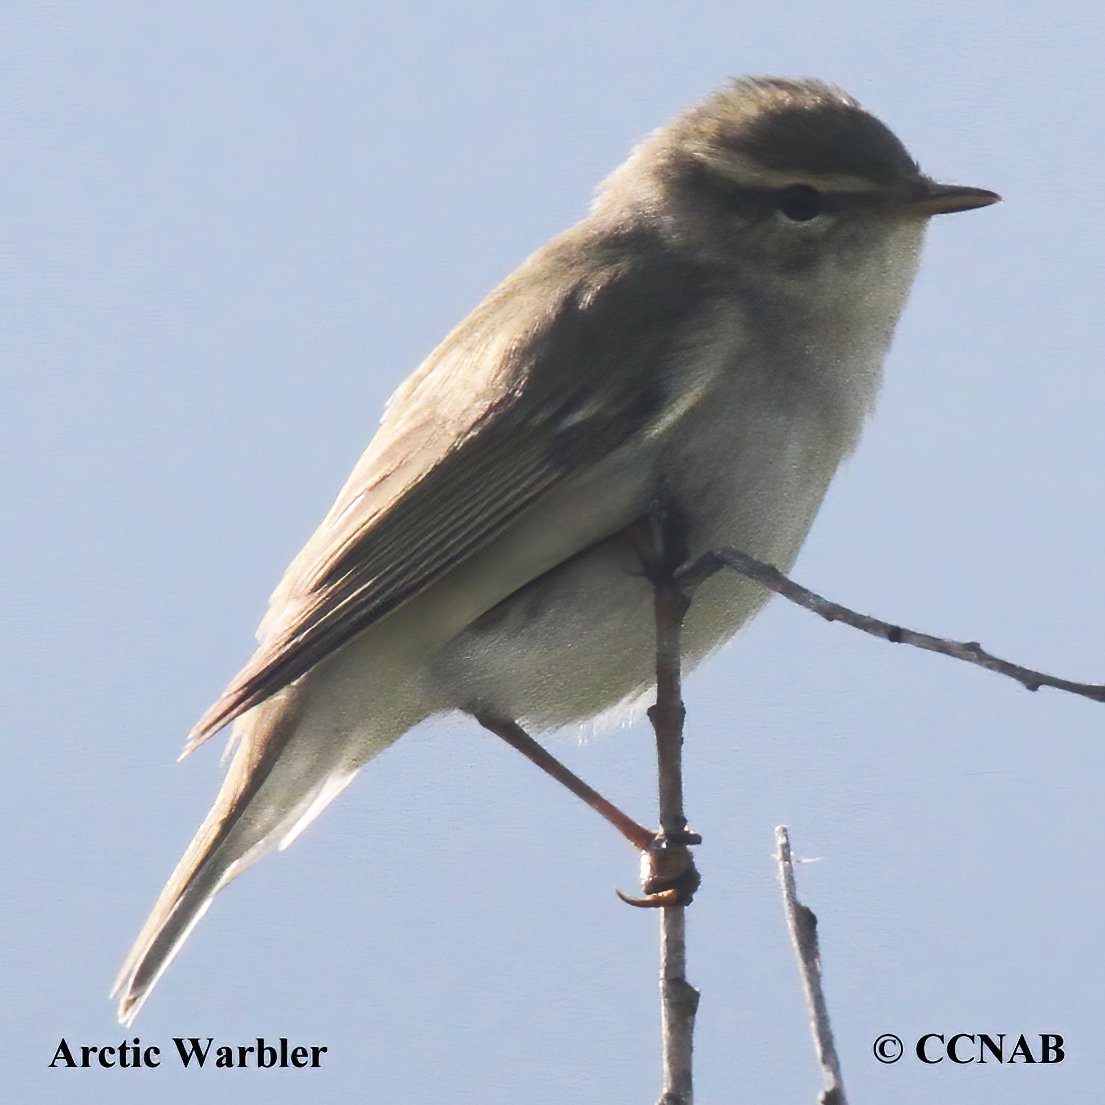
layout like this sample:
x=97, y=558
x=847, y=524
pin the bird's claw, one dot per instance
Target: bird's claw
x=668, y=874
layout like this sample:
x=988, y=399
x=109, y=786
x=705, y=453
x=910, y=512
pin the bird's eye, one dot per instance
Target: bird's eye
x=800, y=203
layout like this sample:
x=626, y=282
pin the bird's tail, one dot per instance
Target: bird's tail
x=269, y=796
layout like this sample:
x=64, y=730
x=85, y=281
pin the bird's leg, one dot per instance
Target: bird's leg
x=668, y=873
x=669, y=876
x=637, y=835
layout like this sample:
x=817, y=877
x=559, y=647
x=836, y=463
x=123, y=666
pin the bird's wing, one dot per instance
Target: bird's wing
x=545, y=379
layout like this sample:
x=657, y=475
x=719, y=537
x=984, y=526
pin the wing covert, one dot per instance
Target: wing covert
x=542, y=381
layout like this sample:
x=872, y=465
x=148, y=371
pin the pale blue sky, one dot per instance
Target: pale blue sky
x=230, y=231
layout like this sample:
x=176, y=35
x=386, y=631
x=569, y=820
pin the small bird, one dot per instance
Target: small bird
x=708, y=341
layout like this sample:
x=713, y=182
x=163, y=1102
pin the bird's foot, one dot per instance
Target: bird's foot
x=668, y=873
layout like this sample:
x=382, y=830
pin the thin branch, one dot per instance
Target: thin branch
x=668, y=714
x=802, y=925
x=679, y=1004
x=970, y=651
x=674, y=878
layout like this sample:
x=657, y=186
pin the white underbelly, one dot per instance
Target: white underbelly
x=580, y=640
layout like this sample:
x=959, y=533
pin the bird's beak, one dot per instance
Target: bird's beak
x=930, y=198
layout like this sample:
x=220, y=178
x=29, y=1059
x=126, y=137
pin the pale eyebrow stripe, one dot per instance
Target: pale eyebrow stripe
x=744, y=173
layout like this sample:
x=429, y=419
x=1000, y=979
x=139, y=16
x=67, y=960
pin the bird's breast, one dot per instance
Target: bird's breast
x=580, y=638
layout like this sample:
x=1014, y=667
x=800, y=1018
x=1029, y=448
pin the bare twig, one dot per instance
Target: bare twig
x=802, y=924
x=674, y=877
x=679, y=1004
x=668, y=714
x=970, y=651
